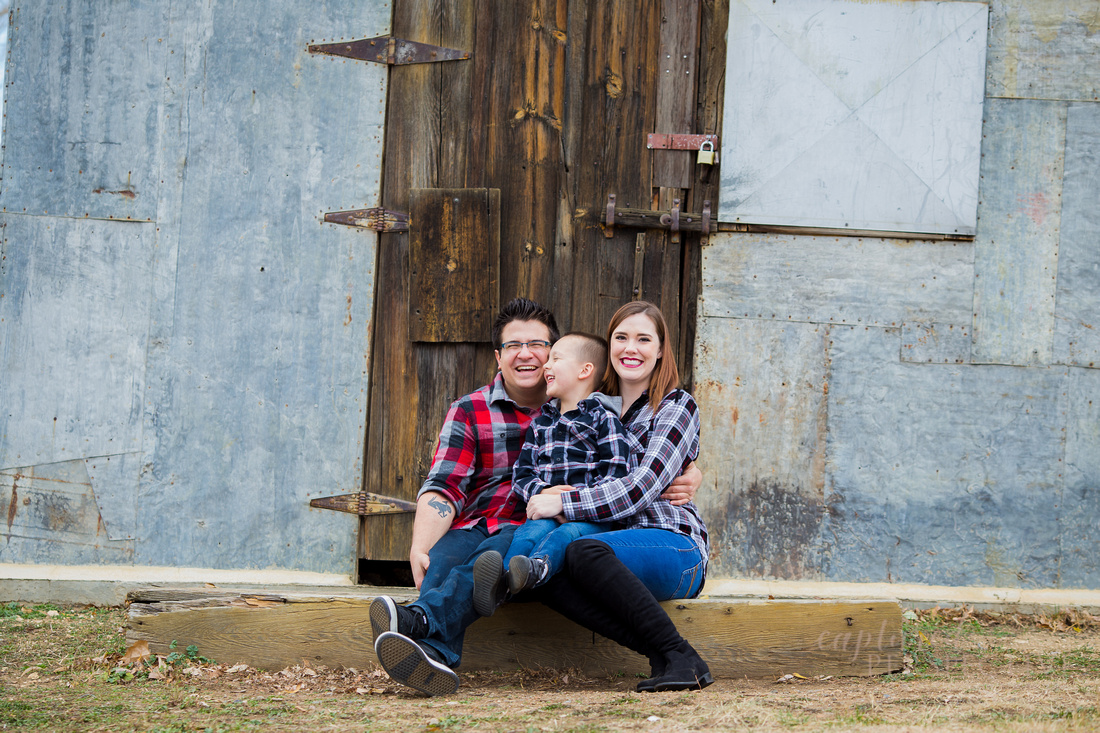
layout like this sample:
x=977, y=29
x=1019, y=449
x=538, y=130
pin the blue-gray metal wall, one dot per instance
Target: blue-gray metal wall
x=183, y=344
x=882, y=409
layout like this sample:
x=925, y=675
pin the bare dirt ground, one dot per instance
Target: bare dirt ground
x=67, y=669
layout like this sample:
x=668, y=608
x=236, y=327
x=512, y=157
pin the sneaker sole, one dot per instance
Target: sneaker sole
x=383, y=616
x=488, y=577
x=519, y=568
x=405, y=662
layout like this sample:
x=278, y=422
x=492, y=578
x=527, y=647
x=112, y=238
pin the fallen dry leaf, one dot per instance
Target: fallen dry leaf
x=135, y=653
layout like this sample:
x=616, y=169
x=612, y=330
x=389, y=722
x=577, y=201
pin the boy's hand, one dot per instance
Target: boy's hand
x=544, y=505
x=683, y=487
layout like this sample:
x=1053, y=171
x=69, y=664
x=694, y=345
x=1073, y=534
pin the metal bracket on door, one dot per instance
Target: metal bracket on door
x=378, y=219
x=364, y=503
x=389, y=50
x=674, y=220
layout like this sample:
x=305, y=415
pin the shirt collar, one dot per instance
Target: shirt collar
x=497, y=393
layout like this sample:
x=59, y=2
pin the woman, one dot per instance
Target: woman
x=612, y=582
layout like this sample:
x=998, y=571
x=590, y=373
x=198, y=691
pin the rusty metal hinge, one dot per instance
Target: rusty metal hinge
x=378, y=219
x=389, y=50
x=674, y=220
x=364, y=503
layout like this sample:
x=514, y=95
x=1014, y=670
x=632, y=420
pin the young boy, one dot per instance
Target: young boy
x=577, y=441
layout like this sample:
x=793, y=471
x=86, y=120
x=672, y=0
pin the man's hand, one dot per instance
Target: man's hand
x=544, y=505
x=419, y=562
x=434, y=515
x=683, y=487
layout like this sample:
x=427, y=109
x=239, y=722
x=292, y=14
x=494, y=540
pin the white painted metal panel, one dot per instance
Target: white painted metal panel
x=1016, y=250
x=854, y=115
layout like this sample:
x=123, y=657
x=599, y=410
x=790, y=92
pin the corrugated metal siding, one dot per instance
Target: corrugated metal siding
x=1077, y=303
x=213, y=366
x=950, y=435
x=1044, y=49
x=1016, y=250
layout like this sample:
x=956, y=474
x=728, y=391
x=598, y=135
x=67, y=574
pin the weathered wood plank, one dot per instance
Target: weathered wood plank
x=883, y=282
x=1016, y=250
x=1044, y=49
x=412, y=160
x=623, y=41
x=1076, y=336
x=675, y=93
x=738, y=637
x=454, y=245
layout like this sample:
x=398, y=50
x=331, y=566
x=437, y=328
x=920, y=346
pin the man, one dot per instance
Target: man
x=466, y=505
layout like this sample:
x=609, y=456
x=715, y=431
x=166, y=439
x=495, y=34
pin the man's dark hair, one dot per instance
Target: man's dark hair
x=522, y=309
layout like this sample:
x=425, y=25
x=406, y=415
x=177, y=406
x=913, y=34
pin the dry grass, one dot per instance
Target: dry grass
x=67, y=669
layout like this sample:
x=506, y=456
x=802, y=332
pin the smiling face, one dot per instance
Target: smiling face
x=522, y=368
x=635, y=349
x=565, y=369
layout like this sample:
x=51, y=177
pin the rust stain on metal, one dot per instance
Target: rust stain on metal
x=124, y=192
x=14, y=499
x=1035, y=206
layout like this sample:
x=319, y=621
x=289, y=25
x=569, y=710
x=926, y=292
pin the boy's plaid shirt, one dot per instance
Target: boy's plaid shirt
x=478, y=445
x=670, y=439
x=580, y=448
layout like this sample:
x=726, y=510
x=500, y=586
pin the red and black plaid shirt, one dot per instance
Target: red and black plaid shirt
x=478, y=446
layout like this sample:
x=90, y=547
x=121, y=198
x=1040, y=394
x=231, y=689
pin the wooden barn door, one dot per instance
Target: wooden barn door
x=504, y=162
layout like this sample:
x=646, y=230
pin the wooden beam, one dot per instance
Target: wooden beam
x=738, y=637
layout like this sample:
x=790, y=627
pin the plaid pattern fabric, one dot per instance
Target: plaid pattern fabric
x=670, y=439
x=472, y=466
x=580, y=448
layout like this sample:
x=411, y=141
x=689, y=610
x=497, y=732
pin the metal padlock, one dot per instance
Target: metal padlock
x=706, y=157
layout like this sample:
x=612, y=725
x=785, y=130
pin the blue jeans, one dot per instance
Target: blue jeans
x=668, y=563
x=447, y=591
x=546, y=538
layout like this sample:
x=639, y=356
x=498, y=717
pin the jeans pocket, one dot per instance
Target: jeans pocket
x=690, y=581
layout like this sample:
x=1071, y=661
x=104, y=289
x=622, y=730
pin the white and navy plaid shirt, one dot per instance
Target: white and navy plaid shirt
x=670, y=440
x=579, y=448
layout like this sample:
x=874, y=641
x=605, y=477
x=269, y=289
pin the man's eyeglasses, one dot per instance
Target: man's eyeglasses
x=513, y=347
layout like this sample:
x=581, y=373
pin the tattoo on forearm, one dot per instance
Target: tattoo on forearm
x=440, y=506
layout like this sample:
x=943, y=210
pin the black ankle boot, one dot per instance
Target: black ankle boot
x=657, y=665
x=685, y=670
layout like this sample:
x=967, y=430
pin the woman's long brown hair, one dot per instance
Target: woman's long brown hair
x=665, y=377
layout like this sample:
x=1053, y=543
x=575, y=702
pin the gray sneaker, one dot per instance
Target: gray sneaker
x=385, y=615
x=489, y=583
x=525, y=573
x=410, y=664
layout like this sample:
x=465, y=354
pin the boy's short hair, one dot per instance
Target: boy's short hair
x=593, y=349
x=522, y=309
